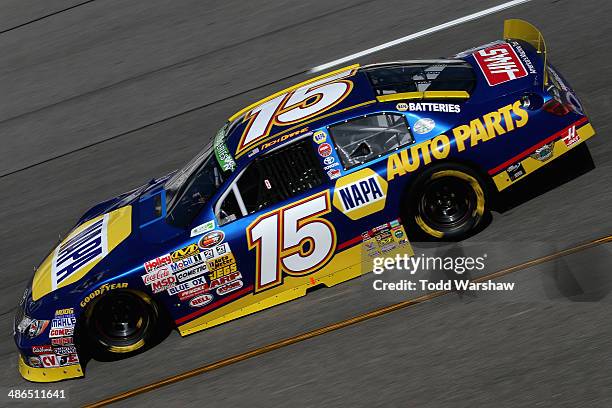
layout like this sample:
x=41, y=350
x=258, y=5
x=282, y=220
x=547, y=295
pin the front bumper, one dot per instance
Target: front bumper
x=49, y=374
x=42, y=358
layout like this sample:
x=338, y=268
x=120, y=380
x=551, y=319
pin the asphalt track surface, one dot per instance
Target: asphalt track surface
x=97, y=97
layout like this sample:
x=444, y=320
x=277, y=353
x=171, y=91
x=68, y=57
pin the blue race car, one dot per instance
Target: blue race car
x=300, y=189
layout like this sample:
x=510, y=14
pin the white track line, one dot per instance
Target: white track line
x=422, y=33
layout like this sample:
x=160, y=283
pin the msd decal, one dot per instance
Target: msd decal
x=359, y=194
x=166, y=283
x=500, y=64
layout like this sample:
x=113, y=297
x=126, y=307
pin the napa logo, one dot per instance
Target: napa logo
x=82, y=250
x=360, y=194
x=79, y=250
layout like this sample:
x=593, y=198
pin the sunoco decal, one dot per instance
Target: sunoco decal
x=500, y=64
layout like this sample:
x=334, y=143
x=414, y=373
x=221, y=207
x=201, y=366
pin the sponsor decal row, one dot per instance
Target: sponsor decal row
x=61, y=352
x=63, y=323
x=221, y=286
x=53, y=360
x=384, y=238
x=193, y=273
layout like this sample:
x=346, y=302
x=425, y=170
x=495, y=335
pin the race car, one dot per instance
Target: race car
x=301, y=189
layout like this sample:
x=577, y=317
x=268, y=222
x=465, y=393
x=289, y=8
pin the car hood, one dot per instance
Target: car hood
x=82, y=250
x=132, y=218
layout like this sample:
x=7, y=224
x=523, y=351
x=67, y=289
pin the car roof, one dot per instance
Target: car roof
x=362, y=98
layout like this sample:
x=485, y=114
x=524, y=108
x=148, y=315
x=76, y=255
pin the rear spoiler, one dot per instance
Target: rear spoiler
x=522, y=30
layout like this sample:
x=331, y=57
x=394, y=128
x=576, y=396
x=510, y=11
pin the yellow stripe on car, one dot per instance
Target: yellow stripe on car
x=402, y=96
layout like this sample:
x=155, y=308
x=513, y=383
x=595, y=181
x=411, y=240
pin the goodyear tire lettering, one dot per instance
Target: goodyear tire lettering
x=102, y=289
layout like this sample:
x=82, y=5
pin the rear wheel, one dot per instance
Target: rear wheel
x=122, y=322
x=446, y=202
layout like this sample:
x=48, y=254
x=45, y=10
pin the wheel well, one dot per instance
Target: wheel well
x=485, y=180
x=81, y=333
x=483, y=176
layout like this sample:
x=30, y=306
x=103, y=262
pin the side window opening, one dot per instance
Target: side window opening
x=391, y=79
x=272, y=178
x=230, y=209
x=369, y=137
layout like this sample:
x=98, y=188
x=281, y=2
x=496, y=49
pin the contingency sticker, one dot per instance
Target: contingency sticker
x=385, y=238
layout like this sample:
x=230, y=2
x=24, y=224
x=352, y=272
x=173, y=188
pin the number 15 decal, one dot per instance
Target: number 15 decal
x=295, y=106
x=292, y=239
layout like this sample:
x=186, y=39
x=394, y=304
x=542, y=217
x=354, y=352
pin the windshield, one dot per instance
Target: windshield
x=192, y=187
x=178, y=179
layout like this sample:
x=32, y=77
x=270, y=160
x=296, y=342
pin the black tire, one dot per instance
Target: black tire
x=446, y=202
x=121, y=323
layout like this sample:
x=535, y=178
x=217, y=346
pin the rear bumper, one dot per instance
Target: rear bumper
x=523, y=164
x=49, y=374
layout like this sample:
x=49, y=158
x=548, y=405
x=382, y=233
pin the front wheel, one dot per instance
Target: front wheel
x=446, y=202
x=122, y=322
